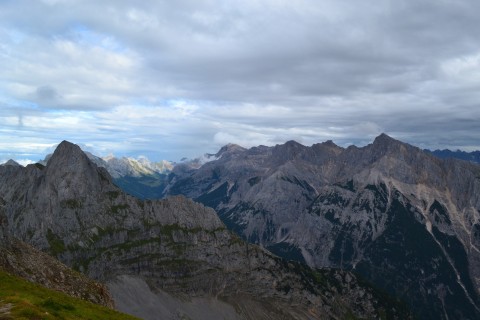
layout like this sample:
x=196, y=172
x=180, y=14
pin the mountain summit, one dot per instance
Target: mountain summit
x=229, y=148
x=384, y=139
x=11, y=163
x=67, y=155
x=70, y=177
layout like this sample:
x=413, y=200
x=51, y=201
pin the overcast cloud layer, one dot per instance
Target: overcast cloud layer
x=168, y=79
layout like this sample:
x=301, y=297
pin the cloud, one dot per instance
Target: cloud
x=179, y=78
x=46, y=93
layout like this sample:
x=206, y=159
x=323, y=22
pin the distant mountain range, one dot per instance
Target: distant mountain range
x=168, y=259
x=473, y=156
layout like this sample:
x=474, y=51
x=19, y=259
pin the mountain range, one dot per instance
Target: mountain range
x=171, y=258
x=403, y=219
x=473, y=156
x=146, y=179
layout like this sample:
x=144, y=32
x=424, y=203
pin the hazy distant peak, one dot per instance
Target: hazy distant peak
x=473, y=156
x=141, y=166
x=12, y=163
x=108, y=157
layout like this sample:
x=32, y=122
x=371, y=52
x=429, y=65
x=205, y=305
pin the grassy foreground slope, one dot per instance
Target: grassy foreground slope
x=20, y=299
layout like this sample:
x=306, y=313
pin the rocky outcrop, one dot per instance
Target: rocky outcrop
x=21, y=259
x=400, y=217
x=71, y=209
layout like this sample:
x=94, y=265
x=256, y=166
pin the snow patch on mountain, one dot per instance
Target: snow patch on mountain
x=135, y=167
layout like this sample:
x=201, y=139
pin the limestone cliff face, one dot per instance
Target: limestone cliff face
x=402, y=218
x=71, y=209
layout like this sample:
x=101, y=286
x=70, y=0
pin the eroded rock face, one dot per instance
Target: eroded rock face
x=400, y=217
x=21, y=259
x=71, y=209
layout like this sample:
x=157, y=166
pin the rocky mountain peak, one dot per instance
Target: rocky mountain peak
x=293, y=143
x=384, y=141
x=287, y=151
x=386, y=145
x=230, y=148
x=12, y=163
x=68, y=147
x=67, y=154
x=71, y=169
x=329, y=143
x=327, y=147
x=294, y=146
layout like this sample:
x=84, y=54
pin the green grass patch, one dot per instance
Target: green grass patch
x=30, y=301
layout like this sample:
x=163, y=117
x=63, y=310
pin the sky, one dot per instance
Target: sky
x=173, y=79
